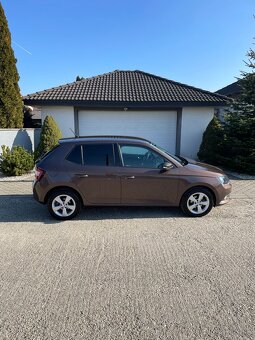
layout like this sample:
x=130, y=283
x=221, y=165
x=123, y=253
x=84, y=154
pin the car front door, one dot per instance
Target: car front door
x=143, y=182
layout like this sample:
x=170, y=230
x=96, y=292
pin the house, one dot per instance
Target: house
x=36, y=118
x=232, y=90
x=32, y=117
x=134, y=103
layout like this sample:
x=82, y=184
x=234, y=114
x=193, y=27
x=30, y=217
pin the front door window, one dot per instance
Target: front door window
x=140, y=157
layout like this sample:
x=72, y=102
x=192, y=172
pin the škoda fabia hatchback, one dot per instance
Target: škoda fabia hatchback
x=124, y=171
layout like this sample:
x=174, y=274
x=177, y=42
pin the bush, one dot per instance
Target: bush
x=16, y=162
x=212, y=142
x=49, y=136
x=239, y=163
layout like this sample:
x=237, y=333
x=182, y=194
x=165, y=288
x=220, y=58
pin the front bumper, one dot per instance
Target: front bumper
x=225, y=200
x=224, y=194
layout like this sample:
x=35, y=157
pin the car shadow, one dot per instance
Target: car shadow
x=23, y=208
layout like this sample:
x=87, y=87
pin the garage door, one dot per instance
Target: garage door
x=158, y=127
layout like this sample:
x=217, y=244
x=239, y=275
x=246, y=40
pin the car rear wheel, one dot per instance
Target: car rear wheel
x=197, y=202
x=64, y=204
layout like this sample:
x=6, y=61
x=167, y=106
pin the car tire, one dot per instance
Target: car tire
x=197, y=202
x=64, y=204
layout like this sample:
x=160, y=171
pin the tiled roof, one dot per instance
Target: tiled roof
x=230, y=90
x=130, y=87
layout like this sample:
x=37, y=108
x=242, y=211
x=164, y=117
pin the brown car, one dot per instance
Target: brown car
x=106, y=170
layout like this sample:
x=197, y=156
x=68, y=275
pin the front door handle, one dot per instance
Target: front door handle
x=130, y=177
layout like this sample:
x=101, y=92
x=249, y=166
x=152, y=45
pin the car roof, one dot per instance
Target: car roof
x=103, y=139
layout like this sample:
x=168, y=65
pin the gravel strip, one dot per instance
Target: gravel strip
x=28, y=176
x=240, y=176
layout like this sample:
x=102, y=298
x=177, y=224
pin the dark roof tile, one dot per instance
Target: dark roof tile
x=125, y=86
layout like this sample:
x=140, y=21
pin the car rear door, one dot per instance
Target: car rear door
x=96, y=176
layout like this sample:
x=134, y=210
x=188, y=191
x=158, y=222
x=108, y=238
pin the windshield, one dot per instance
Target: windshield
x=179, y=159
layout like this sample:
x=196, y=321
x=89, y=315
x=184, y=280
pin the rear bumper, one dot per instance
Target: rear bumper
x=36, y=193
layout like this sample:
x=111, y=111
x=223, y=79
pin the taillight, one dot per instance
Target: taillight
x=39, y=174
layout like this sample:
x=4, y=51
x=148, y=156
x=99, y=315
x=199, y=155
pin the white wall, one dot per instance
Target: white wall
x=194, y=123
x=29, y=138
x=64, y=117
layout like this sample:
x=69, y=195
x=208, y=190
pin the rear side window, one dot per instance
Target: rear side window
x=75, y=155
x=46, y=154
x=98, y=154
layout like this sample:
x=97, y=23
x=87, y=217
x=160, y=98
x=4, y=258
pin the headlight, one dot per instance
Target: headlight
x=223, y=179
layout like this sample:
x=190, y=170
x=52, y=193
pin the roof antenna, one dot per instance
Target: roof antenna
x=76, y=136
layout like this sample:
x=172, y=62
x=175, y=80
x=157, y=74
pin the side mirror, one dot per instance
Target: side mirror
x=167, y=166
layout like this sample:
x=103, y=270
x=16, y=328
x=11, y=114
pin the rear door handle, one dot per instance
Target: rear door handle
x=82, y=175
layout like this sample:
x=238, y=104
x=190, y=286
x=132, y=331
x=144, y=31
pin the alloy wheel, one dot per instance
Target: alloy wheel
x=63, y=205
x=198, y=203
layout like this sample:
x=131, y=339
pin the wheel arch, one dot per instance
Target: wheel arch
x=62, y=187
x=200, y=187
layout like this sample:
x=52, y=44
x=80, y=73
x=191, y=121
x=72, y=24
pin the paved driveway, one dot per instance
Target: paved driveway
x=127, y=273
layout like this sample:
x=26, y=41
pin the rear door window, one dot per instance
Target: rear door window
x=98, y=154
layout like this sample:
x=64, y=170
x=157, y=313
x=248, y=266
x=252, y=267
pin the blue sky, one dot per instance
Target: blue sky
x=198, y=42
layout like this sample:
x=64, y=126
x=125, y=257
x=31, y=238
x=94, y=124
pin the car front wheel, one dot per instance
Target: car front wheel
x=197, y=202
x=64, y=204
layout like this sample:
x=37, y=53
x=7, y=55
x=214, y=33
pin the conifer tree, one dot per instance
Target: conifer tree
x=49, y=136
x=233, y=143
x=11, y=114
x=240, y=126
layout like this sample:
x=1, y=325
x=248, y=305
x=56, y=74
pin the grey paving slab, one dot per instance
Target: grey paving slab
x=243, y=189
x=16, y=187
x=126, y=273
